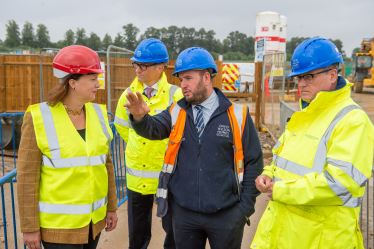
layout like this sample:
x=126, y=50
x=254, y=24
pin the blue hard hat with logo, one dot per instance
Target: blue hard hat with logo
x=314, y=53
x=194, y=58
x=151, y=50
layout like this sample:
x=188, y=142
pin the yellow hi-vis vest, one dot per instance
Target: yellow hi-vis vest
x=73, y=179
x=320, y=166
x=144, y=158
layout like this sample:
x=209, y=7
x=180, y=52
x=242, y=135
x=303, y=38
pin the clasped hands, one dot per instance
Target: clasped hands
x=264, y=184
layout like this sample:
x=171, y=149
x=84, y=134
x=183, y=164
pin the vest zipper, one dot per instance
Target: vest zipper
x=198, y=173
x=236, y=171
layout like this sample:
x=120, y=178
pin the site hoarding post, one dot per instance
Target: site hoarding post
x=258, y=77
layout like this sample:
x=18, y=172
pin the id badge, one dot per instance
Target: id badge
x=240, y=165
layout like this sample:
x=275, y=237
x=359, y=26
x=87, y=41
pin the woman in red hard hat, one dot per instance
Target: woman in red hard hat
x=66, y=186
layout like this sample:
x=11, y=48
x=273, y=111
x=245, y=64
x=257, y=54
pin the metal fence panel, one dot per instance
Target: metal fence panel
x=272, y=85
x=285, y=113
x=120, y=74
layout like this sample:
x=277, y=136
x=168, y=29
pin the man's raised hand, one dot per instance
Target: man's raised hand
x=136, y=106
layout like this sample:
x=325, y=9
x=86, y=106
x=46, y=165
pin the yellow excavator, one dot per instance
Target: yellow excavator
x=363, y=69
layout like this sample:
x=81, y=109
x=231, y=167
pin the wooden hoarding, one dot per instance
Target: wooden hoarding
x=19, y=80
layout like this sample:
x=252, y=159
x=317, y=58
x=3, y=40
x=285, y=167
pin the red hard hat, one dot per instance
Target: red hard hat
x=77, y=60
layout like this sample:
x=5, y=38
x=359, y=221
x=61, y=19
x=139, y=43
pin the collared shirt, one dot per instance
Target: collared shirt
x=209, y=106
x=155, y=88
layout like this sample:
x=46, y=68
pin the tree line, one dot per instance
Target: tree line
x=236, y=46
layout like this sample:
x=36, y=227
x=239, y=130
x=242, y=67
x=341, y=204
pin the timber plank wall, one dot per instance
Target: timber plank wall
x=19, y=80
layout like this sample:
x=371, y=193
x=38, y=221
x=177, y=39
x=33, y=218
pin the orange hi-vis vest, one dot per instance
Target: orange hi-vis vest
x=237, y=115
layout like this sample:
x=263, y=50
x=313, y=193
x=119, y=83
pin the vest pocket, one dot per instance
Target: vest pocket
x=301, y=228
x=131, y=160
x=131, y=155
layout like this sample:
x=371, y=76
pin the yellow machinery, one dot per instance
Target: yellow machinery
x=363, y=70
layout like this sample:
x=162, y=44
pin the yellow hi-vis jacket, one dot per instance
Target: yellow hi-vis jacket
x=320, y=166
x=144, y=158
x=73, y=179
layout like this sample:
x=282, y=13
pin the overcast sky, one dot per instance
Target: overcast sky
x=348, y=20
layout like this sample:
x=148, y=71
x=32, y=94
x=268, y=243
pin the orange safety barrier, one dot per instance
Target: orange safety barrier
x=267, y=92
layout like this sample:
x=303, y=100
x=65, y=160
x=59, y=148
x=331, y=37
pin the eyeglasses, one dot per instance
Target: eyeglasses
x=143, y=67
x=309, y=78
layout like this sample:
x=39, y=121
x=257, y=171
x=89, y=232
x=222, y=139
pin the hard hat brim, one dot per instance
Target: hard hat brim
x=322, y=65
x=188, y=69
x=97, y=71
x=148, y=61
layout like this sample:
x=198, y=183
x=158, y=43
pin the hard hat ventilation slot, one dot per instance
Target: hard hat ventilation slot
x=320, y=39
x=151, y=43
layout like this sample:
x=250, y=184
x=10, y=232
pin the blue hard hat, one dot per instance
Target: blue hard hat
x=314, y=53
x=194, y=58
x=151, y=50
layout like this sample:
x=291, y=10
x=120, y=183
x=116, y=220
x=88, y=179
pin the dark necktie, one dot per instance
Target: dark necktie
x=199, y=121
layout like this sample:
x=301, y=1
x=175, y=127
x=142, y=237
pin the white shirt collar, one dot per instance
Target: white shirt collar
x=209, y=102
x=155, y=86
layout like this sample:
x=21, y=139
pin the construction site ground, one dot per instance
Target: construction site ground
x=119, y=237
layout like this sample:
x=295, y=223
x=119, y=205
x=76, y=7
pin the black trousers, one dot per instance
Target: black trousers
x=140, y=221
x=223, y=229
x=92, y=243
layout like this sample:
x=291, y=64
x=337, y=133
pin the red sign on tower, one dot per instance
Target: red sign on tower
x=264, y=28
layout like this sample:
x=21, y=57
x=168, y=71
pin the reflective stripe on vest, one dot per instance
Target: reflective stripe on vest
x=74, y=161
x=50, y=130
x=72, y=209
x=238, y=112
x=56, y=161
x=174, y=114
x=276, y=146
x=236, y=122
x=142, y=173
x=172, y=90
x=100, y=114
x=321, y=159
x=162, y=193
x=120, y=121
x=350, y=170
x=342, y=192
x=178, y=120
x=175, y=140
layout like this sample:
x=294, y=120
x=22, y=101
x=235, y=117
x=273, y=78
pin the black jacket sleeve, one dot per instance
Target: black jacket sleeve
x=253, y=167
x=156, y=127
